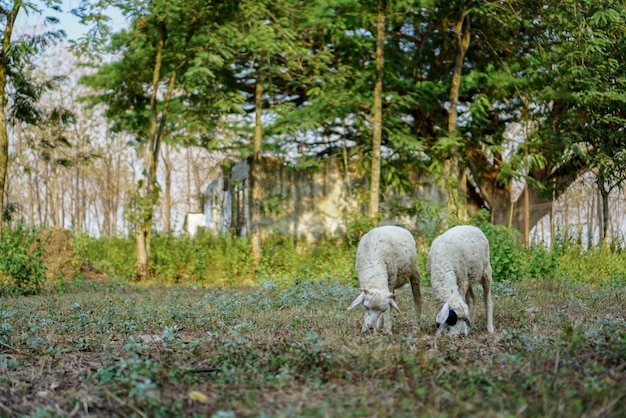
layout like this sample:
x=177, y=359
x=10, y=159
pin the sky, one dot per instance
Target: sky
x=67, y=21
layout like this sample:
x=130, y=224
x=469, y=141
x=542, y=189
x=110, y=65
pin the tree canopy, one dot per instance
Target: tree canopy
x=521, y=94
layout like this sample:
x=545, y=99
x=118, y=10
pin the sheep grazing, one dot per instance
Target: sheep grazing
x=385, y=260
x=457, y=259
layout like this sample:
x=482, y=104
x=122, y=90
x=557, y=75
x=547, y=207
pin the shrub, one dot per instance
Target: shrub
x=511, y=261
x=357, y=225
x=223, y=260
x=114, y=256
x=596, y=265
x=23, y=270
x=285, y=262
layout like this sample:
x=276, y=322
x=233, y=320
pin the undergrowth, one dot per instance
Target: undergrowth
x=559, y=350
x=21, y=268
x=206, y=260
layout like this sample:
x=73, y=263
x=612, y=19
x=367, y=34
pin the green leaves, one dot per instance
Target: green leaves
x=607, y=18
x=21, y=269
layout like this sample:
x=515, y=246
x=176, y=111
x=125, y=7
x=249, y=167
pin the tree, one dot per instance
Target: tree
x=597, y=92
x=590, y=91
x=457, y=196
x=63, y=171
x=18, y=93
x=267, y=51
x=166, y=80
x=339, y=102
x=559, y=84
x=377, y=109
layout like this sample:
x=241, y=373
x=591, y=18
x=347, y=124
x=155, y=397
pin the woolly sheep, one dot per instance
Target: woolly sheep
x=457, y=259
x=385, y=260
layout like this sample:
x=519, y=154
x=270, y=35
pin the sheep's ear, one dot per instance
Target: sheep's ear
x=367, y=292
x=443, y=314
x=392, y=302
x=359, y=300
x=452, y=318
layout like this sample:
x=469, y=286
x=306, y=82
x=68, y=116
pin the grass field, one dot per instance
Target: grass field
x=108, y=349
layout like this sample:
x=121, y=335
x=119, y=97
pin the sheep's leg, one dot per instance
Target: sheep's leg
x=487, y=298
x=415, y=279
x=469, y=297
x=384, y=322
x=379, y=322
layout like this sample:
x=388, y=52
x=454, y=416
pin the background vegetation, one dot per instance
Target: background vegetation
x=209, y=261
x=163, y=98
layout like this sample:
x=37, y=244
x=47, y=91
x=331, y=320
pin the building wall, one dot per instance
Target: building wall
x=307, y=203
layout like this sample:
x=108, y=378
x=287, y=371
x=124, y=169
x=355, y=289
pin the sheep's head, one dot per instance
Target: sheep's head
x=450, y=322
x=375, y=302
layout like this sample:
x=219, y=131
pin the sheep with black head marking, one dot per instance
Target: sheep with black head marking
x=386, y=259
x=457, y=259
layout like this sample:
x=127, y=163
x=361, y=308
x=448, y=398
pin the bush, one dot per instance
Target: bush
x=357, y=225
x=596, y=265
x=285, y=262
x=112, y=255
x=23, y=270
x=511, y=261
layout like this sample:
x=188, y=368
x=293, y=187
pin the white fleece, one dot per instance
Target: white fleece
x=457, y=259
x=386, y=259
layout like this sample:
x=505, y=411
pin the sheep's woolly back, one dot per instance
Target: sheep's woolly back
x=457, y=258
x=385, y=258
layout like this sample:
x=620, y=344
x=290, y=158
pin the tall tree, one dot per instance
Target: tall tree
x=255, y=175
x=597, y=94
x=377, y=110
x=18, y=93
x=167, y=78
x=544, y=101
x=268, y=64
x=457, y=195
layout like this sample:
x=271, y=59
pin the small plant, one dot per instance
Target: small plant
x=356, y=226
x=542, y=263
x=507, y=252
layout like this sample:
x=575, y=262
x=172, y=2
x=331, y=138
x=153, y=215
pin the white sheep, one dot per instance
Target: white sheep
x=457, y=259
x=385, y=260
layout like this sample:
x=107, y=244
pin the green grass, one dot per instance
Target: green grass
x=111, y=349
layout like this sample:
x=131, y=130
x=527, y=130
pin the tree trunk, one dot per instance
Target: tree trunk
x=521, y=219
x=526, y=218
x=497, y=196
x=167, y=198
x=255, y=176
x=378, y=111
x=4, y=136
x=591, y=215
x=579, y=218
x=604, y=215
x=188, y=178
x=107, y=204
x=456, y=183
x=157, y=129
x=552, y=220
